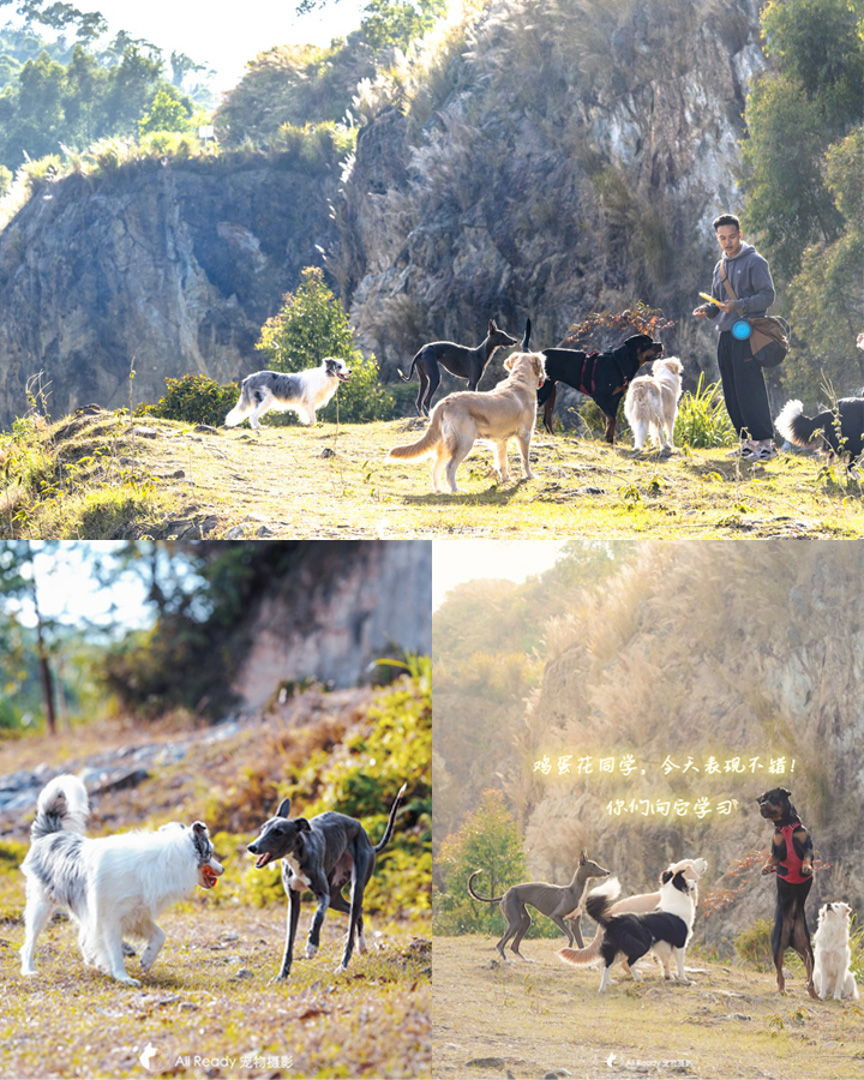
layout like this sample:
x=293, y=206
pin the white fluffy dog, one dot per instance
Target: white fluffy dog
x=111, y=885
x=651, y=404
x=832, y=955
x=301, y=391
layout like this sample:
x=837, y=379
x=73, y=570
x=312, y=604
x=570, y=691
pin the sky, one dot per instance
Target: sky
x=222, y=35
x=457, y=561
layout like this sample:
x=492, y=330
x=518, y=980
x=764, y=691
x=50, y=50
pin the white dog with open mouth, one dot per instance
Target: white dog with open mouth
x=112, y=885
x=301, y=391
x=651, y=404
x=832, y=955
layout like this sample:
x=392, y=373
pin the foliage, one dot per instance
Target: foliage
x=167, y=113
x=753, y=945
x=488, y=841
x=195, y=399
x=50, y=105
x=305, y=84
x=803, y=181
x=640, y=319
x=702, y=419
x=311, y=325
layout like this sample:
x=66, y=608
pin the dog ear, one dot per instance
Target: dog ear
x=284, y=808
x=302, y=824
x=510, y=361
x=666, y=876
x=199, y=828
x=582, y=857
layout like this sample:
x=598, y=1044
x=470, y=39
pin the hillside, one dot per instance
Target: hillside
x=531, y=159
x=95, y=476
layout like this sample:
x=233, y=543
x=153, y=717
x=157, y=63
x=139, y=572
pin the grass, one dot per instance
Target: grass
x=104, y=478
x=210, y=993
x=541, y=1017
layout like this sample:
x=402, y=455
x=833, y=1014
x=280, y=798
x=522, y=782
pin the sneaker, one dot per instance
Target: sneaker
x=749, y=452
x=765, y=452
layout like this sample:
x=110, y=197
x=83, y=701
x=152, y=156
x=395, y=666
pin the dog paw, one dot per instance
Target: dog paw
x=128, y=980
x=311, y=950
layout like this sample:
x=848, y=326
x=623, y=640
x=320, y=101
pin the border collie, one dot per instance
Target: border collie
x=633, y=935
x=111, y=885
x=301, y=391
x=841, y=429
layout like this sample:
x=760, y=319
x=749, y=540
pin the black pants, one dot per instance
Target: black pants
x=744, y=389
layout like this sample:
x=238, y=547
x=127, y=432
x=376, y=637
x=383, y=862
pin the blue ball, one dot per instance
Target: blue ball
x=741, y=330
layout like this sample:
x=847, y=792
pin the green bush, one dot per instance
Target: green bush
x=702, y=418
x=313, y=324
x=195, y=399
x=753, y=945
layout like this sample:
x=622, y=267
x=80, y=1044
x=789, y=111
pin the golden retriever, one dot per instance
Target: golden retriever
x=507, y=412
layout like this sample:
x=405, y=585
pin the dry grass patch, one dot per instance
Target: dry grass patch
x=169, y=479
x=534, y=1018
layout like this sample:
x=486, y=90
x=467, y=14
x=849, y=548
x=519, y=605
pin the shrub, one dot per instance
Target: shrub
x=313, y=324
x=194, y=398
x=702, y=418
x=753, y=945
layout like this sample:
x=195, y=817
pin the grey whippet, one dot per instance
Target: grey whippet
x=559, y=902
x=322, y=854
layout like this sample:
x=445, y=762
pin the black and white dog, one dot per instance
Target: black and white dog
x=633, y=935
x=111, y=885
x=301, y=391
x=322, y=853
x=841, y=429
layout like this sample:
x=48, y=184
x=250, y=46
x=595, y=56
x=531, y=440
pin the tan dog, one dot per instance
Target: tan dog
x=651, y=404
x=507, y=412
x=693, y=870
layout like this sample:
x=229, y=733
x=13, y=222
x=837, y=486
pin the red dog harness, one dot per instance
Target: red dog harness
x=790, y=870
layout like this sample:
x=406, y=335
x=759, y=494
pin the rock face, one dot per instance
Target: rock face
x=745, y=653
x=574, y=163
x=349, y=604
x=168, y=268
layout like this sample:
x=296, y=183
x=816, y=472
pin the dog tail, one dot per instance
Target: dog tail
x=244, y=406
x=600, y=900
x=62, y=806
x=425, y=445
x=798, y=428
x=526, y=336
x=409, y=376
x=388, y=832
x=482, y=899
x=588, y=955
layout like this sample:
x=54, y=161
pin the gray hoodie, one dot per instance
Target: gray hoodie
x=750, y=279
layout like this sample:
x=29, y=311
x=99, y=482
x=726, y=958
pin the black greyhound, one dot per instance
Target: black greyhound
x=459, y=360
x=791, y=859
x=321, y=854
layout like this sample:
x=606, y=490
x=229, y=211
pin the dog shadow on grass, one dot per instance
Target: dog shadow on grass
x=496, y=494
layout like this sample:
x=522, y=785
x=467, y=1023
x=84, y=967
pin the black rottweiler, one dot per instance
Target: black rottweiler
x=604, y=377
x=791, y=859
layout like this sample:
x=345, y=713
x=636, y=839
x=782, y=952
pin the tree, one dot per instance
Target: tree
x=488, y=841
x=166, y=114
x=311, y=325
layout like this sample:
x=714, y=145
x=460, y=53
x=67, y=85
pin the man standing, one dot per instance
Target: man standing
x=743, y=385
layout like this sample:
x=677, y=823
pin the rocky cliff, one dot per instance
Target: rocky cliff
x=745, y=653
x=168, y=267
x=542, y=159
x=559, y=158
